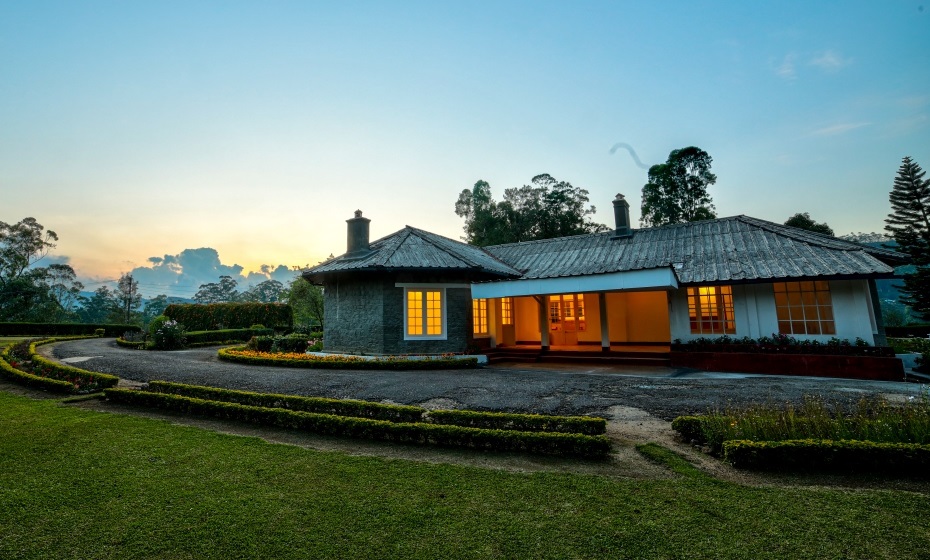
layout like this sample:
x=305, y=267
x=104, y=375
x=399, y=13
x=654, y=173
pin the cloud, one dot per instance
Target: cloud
x=830, y=61
x=835, y=129
x=786, y=68
x=181, y=275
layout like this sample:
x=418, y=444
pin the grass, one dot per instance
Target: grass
x=868, y=420
x=78, y=483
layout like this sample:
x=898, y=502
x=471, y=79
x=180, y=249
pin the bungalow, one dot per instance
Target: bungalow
x=417, y=292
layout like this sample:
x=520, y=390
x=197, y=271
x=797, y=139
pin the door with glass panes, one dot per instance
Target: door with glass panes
x=566, y=319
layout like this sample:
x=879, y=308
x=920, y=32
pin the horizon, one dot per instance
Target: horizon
x=156, y=131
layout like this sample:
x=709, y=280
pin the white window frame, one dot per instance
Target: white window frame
x=443, y=302
x=475, y=322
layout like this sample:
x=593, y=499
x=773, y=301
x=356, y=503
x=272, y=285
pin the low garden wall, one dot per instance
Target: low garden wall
x=850, y=367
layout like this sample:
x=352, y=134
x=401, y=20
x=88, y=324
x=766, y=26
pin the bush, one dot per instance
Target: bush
x=99, y=333
x=907, y=459
x=216, y=316
x=225, y=336
x=291, y=344
x=519, y=422
x=243, y=355
x=62, y=329
x=575, y=445
x=170, y=335
x=260, y=343
x=691, y=428
x=156, y=324
x=21, y=364
x=782, y=344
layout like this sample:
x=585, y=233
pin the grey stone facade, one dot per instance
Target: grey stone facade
x=364, y=314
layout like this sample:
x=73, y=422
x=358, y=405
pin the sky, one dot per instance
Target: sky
x=184, y=140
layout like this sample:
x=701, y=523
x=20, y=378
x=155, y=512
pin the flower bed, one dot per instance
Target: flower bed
x=22, y=364
x=245, y=356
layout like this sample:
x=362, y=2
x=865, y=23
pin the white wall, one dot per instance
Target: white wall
x=754, y=308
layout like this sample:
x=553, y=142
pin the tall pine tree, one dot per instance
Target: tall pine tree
x=909, y=223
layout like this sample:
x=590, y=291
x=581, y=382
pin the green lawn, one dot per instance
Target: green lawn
x=81, y=484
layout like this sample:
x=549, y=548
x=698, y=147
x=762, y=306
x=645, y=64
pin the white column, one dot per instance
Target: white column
x=543, y=322
x=605, y=327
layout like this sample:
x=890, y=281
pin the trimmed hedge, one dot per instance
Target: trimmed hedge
x=129, y=344
x=576, y=445
x=224, y=335
x=213, y=316
x=63, y=329
x=29, y=380
x=320, y=405
x=243, y=356
x=691, y=428
x=102, y=380
x=908, y=459
x=920, y=331
x=519, y=422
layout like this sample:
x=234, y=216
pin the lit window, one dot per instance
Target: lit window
x=507, y=311
x=711, y=310
x=479, y=308
x=804, y=308
x=424, y=313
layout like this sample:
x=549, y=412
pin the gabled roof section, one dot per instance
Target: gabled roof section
x=733, y=249
x=412, y=248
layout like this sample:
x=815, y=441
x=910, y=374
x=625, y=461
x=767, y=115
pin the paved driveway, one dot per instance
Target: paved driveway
x=541, y=388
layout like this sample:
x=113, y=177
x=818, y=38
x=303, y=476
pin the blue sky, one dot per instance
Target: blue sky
x=141, y=129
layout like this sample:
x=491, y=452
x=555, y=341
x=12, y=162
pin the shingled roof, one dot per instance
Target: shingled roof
x=412, y=248
x=735, y=249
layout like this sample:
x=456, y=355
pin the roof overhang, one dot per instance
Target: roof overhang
x=650, y=279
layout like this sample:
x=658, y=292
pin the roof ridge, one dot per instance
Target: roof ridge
x=419, y=233
x=813, y=237
x=383, y=259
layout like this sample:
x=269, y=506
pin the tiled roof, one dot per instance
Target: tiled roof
x=723, y=250
x=412, y=248
x=733, y=249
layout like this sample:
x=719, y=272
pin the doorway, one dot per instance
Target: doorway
x=566, y=319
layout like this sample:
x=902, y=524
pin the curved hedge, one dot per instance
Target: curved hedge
x=574, y=445
x=520, y=422
x=63, y=329
x=30, y=380
x=910, y=459
x=244, y=356
x=56, y=377
x=216, y=316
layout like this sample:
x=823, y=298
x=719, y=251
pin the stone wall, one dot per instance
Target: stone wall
x=365, y=314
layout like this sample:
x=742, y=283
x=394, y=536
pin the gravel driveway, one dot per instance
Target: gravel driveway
x=541, y=388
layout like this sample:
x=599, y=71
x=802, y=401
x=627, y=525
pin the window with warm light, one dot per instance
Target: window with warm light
x=425, y=317
x=479, y=316
x=507, y=311
x=804, y=307
x=710, y=309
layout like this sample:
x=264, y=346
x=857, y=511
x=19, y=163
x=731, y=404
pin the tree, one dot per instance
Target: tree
x=153, y=308
x=268, y=291
x=804, y=221
x=677, y=189
x=127, y=296
x=64, y=290
x=22, y=245
x=909, y=223
x=218, y=292
x=102, y=307
x=306, y=300
x=545, y=209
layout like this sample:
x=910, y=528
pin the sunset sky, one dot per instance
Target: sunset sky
x=223, y=136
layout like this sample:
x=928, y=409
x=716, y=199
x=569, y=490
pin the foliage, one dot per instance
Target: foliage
x=153, y=308
x=896, y=459
x=101, y=307
x=781, y=344
x=677, y=189
x=804, y=221
x=21, y=245
x=306, y=300
x=545, y=209
x=64, y=290
x=223, y=291
x=225, y=336
x=269, y=291
x=909, y=223
x=909, y=345
x=168, y=335
x=62, y=329
x=231, y=315
x=245, y=356
x=519, y=422
x=549, y=443
x=869, y=420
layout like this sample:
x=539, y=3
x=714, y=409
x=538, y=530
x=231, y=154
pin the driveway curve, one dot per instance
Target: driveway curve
x=538, y=388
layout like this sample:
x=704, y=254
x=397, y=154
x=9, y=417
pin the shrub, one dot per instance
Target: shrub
x=782, y=344
x=62, y=329
x=907, y=459
x=519, y=422
x=576, y=445
x=170, y=335
x=691, y=428
x=156, y=324
x=213, y=316
x=291, y=344
x=99, y=333
x=225, y=336
x=21, y=364
x=260, y=343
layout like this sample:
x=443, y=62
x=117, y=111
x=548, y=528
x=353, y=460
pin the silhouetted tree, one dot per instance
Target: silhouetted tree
x=804, y=221
x=677, y=189
x=909, y=223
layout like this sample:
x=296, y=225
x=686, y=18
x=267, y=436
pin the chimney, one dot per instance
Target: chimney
x=358, y=236
x=622, y=218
